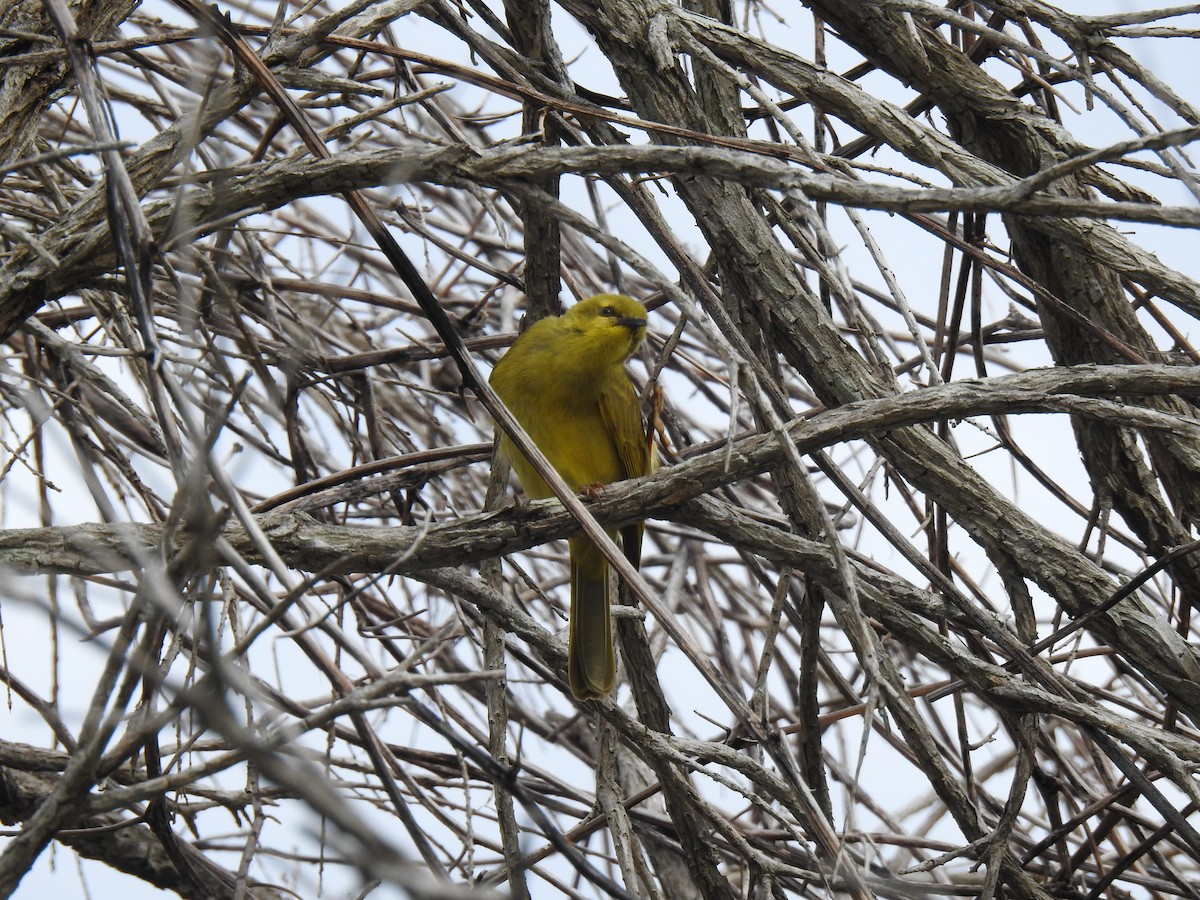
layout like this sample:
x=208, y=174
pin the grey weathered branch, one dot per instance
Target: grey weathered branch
x=311, y=546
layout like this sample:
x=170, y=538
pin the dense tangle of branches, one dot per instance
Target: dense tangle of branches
x=915, y=614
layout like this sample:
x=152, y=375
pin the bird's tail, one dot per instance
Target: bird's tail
x=591, y=662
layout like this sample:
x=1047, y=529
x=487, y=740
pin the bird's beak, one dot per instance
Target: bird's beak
x=632, y=323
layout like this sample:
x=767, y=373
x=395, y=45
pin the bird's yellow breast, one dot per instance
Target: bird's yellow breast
x=572, y=434
x=565, y=381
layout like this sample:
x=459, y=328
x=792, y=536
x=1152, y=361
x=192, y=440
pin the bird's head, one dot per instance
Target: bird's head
x=610, y=325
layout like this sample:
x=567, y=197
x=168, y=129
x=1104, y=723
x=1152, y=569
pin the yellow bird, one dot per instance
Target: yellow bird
x=565, y=381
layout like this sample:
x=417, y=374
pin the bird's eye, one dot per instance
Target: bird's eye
x=607, y=311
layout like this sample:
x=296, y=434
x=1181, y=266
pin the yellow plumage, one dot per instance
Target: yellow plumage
x=565, y=381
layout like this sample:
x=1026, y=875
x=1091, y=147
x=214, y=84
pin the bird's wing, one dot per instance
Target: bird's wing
x=622, y=417
x=623, y=420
